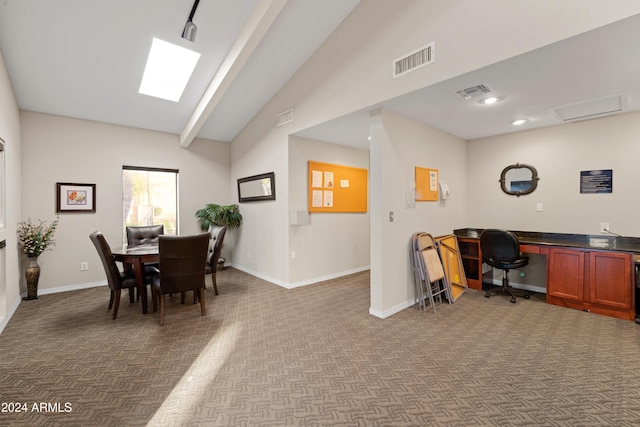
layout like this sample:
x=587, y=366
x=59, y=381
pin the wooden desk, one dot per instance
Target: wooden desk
x=589, y=273
x=138, y=256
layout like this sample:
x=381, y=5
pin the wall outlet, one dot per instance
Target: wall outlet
x=249, y=254
x=84, y=266
x=604, y=227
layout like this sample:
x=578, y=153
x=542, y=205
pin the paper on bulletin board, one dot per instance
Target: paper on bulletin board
x=328, y=199
x=316, y=200
x=316, y=179
x=426, y=184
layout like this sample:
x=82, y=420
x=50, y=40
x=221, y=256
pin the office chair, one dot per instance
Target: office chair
x=501, y=249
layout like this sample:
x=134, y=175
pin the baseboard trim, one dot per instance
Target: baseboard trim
x=327, y=277
x=301, y=283
x=5, y=320
x=68, y=288
x=391, y=311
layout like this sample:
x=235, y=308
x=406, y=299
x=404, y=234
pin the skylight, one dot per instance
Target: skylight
x=169, y=68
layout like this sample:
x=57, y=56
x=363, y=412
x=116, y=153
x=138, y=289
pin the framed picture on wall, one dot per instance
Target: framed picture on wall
x=75, y=197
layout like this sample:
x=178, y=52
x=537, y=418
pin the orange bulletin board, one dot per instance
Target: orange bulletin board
x=336, y=188
x=426, y=185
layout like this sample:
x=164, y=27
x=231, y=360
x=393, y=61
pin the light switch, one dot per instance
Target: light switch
x=538, y=207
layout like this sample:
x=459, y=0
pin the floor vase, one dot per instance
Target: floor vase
x=32, y=274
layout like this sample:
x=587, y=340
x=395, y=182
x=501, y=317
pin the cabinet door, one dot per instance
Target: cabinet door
x=610, y=281
x=566, y=274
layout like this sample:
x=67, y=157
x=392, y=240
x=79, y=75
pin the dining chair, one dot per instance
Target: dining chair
x=217, y=234
x=181, y=268
x=143, y=234
x=116, y=280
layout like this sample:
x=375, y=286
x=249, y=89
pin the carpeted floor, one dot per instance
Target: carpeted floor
x=313, y=356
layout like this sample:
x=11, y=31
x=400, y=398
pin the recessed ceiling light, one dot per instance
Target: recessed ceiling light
x=168, y=70
x=490, y=100
x=519, y=122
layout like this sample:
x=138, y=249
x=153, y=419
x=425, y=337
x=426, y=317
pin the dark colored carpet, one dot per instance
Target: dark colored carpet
x=313, y=356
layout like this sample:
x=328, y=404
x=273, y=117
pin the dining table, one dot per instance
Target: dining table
x=138, y=256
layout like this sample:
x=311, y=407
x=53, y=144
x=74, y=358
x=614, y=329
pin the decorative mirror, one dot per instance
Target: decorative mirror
x=519, y=179
x=257, y=187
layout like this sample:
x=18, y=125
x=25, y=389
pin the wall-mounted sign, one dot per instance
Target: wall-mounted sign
x=596, y=181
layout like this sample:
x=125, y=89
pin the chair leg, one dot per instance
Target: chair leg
x=154, y=298
x=162, y=304
x=111, y=299
x=181, y=297
x=507, y=288
x=116, y=304
x=215, y=284
x=132, y=295
x=202, y=307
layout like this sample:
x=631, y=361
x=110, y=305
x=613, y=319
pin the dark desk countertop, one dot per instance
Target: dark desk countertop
x=581, y=241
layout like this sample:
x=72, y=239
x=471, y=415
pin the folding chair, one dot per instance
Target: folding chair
x=429, y=276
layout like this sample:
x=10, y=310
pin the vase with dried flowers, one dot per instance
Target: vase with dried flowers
x=35, y=239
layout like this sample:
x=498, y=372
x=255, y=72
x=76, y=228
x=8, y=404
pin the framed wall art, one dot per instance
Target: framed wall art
x=75, y=197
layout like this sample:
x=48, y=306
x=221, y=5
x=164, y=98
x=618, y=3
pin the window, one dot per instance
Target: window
x=150, y=197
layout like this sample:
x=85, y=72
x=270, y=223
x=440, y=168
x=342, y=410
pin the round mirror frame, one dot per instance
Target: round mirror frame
x=518, y=193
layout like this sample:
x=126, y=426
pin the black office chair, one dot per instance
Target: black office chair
x=501, y=249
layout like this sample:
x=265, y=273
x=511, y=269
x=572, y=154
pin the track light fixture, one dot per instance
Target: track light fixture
x=189, y=32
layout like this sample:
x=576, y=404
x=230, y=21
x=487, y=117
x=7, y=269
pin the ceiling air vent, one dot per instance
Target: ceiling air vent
x=473, y=91
x=284, y=118
x=414, y=60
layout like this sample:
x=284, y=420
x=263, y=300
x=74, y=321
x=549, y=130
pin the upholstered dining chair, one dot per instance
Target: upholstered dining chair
x=116, y=279
x=181, y=268
x=216, y=240
x=143, y=234
x=501, y=250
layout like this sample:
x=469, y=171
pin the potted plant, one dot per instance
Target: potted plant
x=212, y=214
x=35, y=239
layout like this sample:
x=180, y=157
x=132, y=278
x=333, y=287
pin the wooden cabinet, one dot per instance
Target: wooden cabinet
x=565, y=273
x=472, y=261
x=610, y=279
x=597, y=281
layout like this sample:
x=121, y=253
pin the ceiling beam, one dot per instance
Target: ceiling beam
x=261, y=19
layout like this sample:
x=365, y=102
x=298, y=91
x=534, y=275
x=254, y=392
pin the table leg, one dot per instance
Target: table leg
x=138, y=268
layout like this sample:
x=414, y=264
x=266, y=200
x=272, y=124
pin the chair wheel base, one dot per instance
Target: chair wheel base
x=527, y=296
x=513, y=300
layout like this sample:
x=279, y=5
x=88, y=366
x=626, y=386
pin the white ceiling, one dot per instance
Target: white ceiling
x=593, y=65
x=85, y=59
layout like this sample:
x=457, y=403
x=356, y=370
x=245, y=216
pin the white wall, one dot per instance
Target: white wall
x=559, y=154
x=60, y=149
x=351, y=71
x=399, y=145
x=332, y=244
x=10, y=133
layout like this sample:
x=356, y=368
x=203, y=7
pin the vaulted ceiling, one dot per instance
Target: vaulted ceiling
x=85, y=59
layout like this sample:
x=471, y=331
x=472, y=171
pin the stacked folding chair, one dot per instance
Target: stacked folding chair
x=429, y=276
